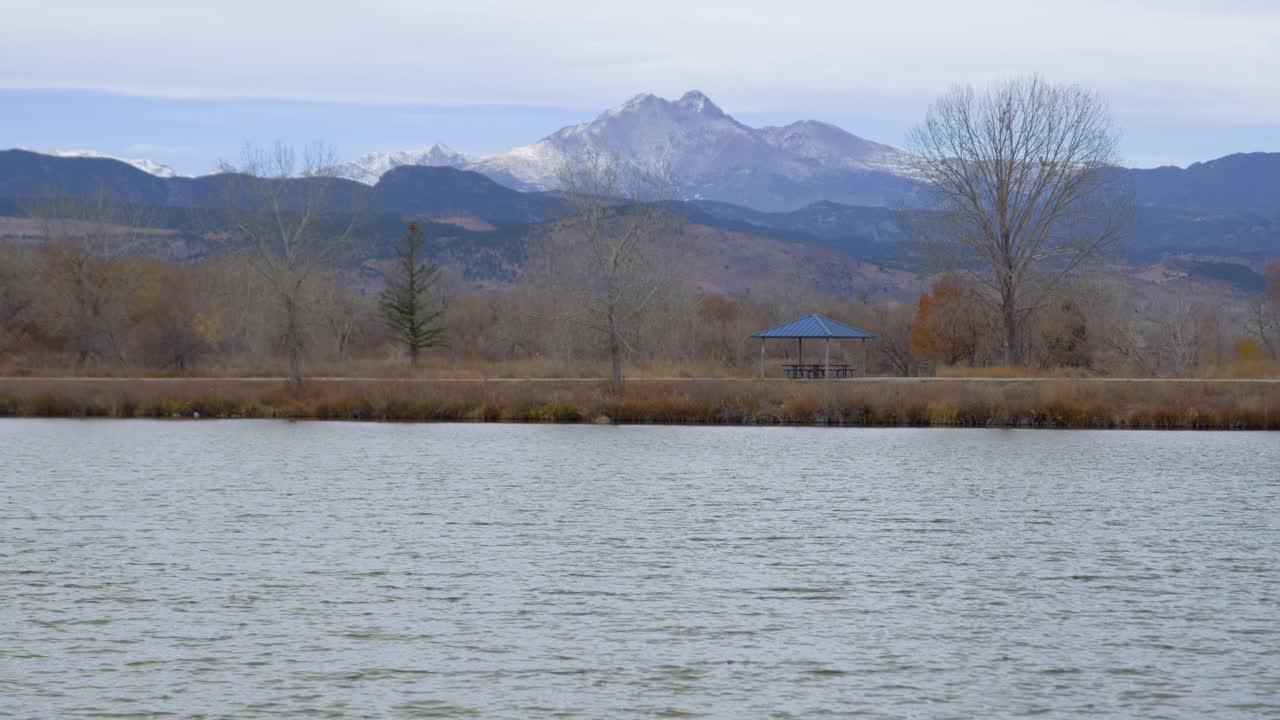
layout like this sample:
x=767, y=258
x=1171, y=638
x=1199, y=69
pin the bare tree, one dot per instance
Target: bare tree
x=15, y=280
x=172, y=326
x=20, y=280
x=1264, y=324
x=894, y=324
x=241, y=305
x=286, y=205
x=1024, y=189
x=1265, y=313
x=343, y=312
x=86, y=240
x=1183, y=334
x=601, y=260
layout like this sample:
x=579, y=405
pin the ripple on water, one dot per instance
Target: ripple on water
x=261, y=569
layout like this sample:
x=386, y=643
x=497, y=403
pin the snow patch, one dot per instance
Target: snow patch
x=370, y=167
x=150, y=167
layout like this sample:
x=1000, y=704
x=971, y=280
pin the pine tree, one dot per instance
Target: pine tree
x=405, y=303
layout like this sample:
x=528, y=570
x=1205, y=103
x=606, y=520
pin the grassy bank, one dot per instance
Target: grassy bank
x=1046, y=403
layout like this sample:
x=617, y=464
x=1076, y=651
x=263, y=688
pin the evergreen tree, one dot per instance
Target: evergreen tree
x=405, y=303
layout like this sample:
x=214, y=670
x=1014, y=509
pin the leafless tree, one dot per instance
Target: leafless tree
x=286, y=205
x=1264, y=323
x=1024, y=189
x=1264, y=313
x=86, y=240
x=172, y=327
x=893, y=323
x=343, y=312
x=241, y=304
x=601, y=260
x=15, y=280
x=1183, y=334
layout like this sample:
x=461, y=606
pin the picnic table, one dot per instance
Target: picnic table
x=817, y=371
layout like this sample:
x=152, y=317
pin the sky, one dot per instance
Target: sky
x=188, y=84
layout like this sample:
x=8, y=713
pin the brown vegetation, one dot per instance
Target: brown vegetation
x=614, y=290
x=1068, y=403
x=140, y=317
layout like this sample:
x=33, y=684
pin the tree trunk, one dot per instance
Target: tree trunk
x=293, y=341
x=615, y=357
x=1009, y=314
x=344, y=337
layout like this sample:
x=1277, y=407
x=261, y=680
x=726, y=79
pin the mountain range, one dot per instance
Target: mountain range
x=803, y=195
x=1222, y=208
x=707, y=153
x=150, y=167
x=711, y=157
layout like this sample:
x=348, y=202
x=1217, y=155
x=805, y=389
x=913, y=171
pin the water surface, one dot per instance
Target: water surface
x=254, y=569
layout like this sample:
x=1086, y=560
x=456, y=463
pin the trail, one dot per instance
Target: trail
x=630, y=379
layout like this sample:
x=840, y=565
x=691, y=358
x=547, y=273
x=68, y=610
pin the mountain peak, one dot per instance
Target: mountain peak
x=707, y=151
x=371, y=166
x=813, y=125
x=442, y=149
x=693, y=101
x=696, y=101
x=640, y=101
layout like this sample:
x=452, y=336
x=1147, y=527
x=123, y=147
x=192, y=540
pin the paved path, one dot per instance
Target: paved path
x=875, y=380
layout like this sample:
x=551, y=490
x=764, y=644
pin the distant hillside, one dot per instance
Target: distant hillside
x=874, y=232
x=424, y=190
x=26, y=174
x=1245, y=182
x=406, y=190
x=1159, y=230
x=480, y=225
x=370, y=167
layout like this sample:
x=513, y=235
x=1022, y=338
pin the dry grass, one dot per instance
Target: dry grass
x=439, y=365
x=1238, y=369
x=1062, y=403
x=433, y=366
x=1016, y=371
x=1242, y=369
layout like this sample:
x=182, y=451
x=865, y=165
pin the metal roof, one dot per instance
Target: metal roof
x=813, y=326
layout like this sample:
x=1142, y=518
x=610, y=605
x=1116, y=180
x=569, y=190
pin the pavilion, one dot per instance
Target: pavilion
x=814, y=326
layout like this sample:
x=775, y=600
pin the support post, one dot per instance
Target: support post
x=826, y=370
x=800, y=354
x=761, y=358
x=864, y=357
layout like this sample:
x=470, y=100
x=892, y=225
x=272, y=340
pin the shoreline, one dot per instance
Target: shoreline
x=875, y=379
x=1048, y=403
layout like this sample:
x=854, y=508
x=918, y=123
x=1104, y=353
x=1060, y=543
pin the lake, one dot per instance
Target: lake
x=254, y=569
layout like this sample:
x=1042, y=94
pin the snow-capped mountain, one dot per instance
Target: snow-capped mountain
x=830, y=147
x=147, y=166
x=372, y=166
x=710, y=155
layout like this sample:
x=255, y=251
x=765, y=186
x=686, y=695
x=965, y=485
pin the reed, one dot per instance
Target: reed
x=1045, y=403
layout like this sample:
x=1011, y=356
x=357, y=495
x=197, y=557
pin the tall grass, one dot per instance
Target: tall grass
x=1050, y=403
x=430, y=366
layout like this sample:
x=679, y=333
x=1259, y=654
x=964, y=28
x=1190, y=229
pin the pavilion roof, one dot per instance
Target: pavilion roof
x=813, y=326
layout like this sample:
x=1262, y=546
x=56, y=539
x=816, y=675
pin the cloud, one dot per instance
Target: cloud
x=1189, y=60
